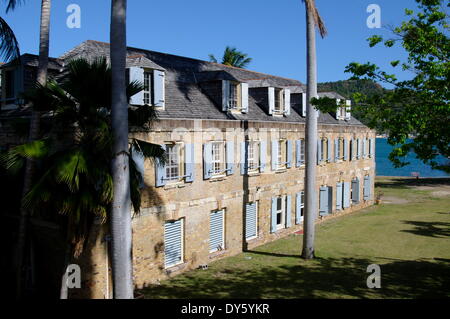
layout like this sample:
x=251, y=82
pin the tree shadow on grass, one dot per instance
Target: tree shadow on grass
x=320, y=278
x=405, y=183
x=429, y=229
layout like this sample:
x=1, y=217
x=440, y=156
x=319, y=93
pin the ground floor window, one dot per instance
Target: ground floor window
x=251, y=221
x=173, y=243
x=217, y=231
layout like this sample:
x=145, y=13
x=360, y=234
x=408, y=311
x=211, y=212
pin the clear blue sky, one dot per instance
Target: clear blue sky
x=271, y=32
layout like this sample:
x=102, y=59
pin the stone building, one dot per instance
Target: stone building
x=234, y=179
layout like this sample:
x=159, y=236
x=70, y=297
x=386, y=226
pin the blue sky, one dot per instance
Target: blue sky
x=271, y=32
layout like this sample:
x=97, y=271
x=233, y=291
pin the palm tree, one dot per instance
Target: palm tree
x=313, y=20
x=74, y=178
x=233, y=57
x=120, y=214
x=9, y=46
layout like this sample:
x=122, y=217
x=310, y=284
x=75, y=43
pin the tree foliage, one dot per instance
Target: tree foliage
x=418, y=107
x=233, y=57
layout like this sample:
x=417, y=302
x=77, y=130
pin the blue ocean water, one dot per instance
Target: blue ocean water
x=385, y=167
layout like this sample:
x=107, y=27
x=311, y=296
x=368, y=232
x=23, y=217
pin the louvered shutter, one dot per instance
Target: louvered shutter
x=346, y=195
x=230, y=157
x=323, y=204
x=251, y=220
x=355, y=191
x=271, y=99
x=289, y=154
x=160, y=171
x=158, y=88
x=328, y=150
x=366, y=190
x=304, y=105
x=288, y=211
x=189, y=161
x=345, y=149
x=274, y=155
x=137, y=74
x=139, y=160
x=207, y=161
x=287, y=102
x=298, y=147
x=273, y=213
x=336, y=150
x=263, y=156
x=244, y=158
x=216, y=231
x=339, y=196
x=244, y=97
x=173, y=243
x=298, y=209
x=225, y=95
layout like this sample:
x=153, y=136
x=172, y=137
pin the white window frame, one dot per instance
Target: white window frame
x=278, y=108
x=182, y=247
x=253, y=156
x=281, y=211
x=179, y=163
x=256, y=220
x=218, y=160
x=148, y=87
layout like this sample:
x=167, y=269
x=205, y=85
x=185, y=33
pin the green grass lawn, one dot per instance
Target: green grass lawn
x=408, y=235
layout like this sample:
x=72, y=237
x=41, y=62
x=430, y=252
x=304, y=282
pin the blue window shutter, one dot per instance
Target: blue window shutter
x=298, y=147
x=346, y=195
x=244, y=97
x=230, y=157
x=298, y=209
x=173, y=243
x=274, y=155
x=263, y=156
x=251, y=218
x=189, y=153
x=336, y=150
x=289, y=154
x=137, y=74
x=225, y=94
x=216, y=231
x=345, y=149
x=287, y=102
x=329, y=150
x=160, y=171
x=366, y=191
x=288, y=211
x=364, y=147
x=339, y=196
x=355, y=191
x=271, y=99
x=323, y=201
x=352, y=149
x=319, y=151
x=207, y=159
x=358, y=149
x=159, y=89
x=273, y=224
x=244, y=160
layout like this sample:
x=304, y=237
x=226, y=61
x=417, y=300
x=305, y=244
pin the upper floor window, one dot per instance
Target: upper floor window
x=253, y=156
x=154, y=86
x=179, y=165
x=218, y=159
x=279, y=101
x=173, y=165
x=148, y=79
x=234, y=96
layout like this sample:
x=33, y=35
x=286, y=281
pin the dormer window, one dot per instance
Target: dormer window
x=234, y=96
x=343, y=112
x=154, y=86
x=279, y=101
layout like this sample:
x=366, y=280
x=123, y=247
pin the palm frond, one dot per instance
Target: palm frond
x=134, y=88
x=12, y=4
x=212, y=58
x=312, y=9
x=9, y=46
x=142, y=115
x=149, y=150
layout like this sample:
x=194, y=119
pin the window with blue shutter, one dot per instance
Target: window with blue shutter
x=160, y=171
x=189, y=153
x=136, y=74
x=300, y=207
x=339, y=195
x=173, y=243
x=336, y=150
x=355, y=191
x=289, y=154
x=216, y=231
x=230, y=157
x=346, y=195
x=207, y=160
x=251, y=220
x=158, y=88
x=323, y=201
x=288, y=211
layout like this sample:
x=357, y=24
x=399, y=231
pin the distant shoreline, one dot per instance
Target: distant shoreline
x=412, y=177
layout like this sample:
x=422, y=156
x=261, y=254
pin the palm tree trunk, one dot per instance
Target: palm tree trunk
x=121, y=206
x=311, y=141
x=34, y=134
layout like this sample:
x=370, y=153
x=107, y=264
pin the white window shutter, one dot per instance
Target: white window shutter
x=225, y=94
x=274, y=155
x=230, y=157
x=348, y=110
x=244, y=97
x=271, y=95
x=137, y=74
x=304, y=106
x=287, y=102
x=262, y=154
x=158, y=88
x=338, y=102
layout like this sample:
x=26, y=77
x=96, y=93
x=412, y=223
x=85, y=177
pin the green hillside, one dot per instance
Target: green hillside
x=348, y=87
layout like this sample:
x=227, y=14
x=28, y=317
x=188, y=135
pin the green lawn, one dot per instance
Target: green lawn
x=408, y=235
